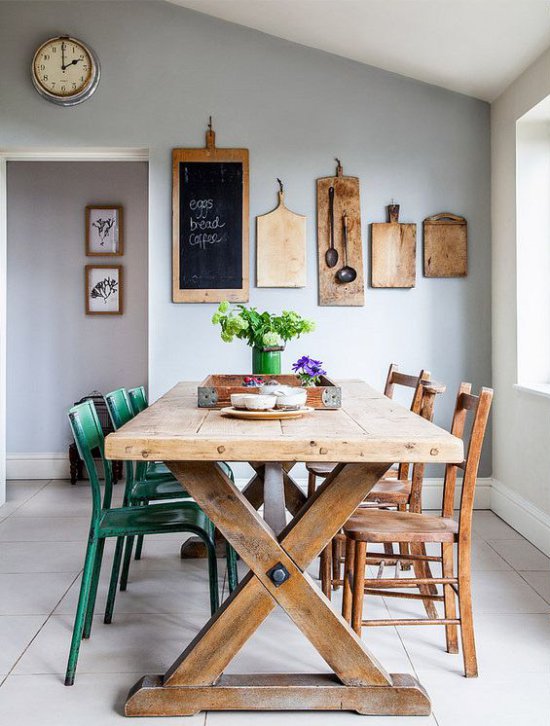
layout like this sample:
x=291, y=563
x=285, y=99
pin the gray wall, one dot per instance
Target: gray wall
x=165, y=69
x=56, y=353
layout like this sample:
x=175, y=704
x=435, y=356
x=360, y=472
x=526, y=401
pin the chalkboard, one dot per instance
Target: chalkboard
x=210, y=224
x=211, y=202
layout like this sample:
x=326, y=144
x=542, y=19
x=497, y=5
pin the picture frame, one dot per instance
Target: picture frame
x=104, y=289
x=104, y=230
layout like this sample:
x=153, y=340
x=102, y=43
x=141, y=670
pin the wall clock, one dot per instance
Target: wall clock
x=65, y=71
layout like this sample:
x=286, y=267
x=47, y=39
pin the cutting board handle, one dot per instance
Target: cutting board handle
x=339, y=168
x=281, y=193
x=454, y=218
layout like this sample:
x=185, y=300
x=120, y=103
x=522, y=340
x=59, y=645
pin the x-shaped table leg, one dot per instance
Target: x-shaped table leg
x=193, y=682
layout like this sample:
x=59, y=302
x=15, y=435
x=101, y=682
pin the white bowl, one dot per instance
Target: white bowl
x=260, y=402
x=238, y=400
x=296, y=398
x=268, y=389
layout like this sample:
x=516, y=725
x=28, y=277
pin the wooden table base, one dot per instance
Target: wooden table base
x=278, y=692
x=278, y=557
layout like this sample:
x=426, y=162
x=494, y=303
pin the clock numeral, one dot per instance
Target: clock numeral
x=82, y=78
x=42, y=67
x=84, y=68
x=62, y=88
x=54, y=49
x=46, y=57
x=44, y=78
x=74, y=85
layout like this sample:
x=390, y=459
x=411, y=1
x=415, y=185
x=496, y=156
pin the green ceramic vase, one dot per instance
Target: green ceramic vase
x=266, y=362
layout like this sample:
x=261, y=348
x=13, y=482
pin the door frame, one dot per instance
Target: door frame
x=36, y=154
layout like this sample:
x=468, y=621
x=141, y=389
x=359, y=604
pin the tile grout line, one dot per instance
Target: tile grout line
x=48, y=482
x=518, y=572
x=48, y=617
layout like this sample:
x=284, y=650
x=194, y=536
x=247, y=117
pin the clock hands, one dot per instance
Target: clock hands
x=72, y=63
x=63, y=66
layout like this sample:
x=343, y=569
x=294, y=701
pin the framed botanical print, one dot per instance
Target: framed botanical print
x=104, y=289
x=104, y=231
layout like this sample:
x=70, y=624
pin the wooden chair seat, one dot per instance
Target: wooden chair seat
x=375, y=525
x=321, y=469
x=390, y=491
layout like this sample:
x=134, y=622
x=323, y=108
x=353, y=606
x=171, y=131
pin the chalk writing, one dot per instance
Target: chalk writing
x=199, y=222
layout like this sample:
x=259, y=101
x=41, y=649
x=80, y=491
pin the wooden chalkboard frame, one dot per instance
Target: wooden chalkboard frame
x=209, y=154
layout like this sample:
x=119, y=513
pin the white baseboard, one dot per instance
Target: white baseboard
x=37, y=466
x=521, y=514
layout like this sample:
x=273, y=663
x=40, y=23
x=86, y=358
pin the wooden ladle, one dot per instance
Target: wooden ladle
x=346, y=273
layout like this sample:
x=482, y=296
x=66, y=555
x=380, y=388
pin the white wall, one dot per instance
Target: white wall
x=521, y=420
x=165, y=69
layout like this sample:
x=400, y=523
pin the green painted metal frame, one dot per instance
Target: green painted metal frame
x=122, y=522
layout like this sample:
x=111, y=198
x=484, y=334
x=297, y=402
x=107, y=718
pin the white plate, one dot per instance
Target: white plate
x=265, y=415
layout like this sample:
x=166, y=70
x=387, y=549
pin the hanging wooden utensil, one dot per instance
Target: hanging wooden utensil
x=445, y=246
x=345, y=199
x=281, y=247
x=393, y=252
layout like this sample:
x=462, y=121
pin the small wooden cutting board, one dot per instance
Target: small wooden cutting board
x=393, y=252
x=281, y=248
x=445, y=246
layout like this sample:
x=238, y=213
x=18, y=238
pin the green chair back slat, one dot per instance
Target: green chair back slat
x=88, y=436
x=138, y=398
x=121, y=411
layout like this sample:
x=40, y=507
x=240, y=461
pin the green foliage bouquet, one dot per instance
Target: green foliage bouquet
x=264, y=331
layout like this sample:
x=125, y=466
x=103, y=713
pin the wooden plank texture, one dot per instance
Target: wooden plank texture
x=368, y=428
x=346, y=199
x=445, y=246
x=393, y=255
x=281, y=248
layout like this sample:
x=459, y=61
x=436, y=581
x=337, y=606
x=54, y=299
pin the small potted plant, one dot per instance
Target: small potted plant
x=308, y=371
x=265, y=333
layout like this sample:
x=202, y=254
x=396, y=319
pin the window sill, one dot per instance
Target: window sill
x=535, y=389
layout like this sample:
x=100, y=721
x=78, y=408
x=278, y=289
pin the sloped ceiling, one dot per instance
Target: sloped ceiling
x=476, y=47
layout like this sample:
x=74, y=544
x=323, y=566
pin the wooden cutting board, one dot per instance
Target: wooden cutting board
x=281, y=247
x=445, y=246
x=393, y=252
x=346, y=199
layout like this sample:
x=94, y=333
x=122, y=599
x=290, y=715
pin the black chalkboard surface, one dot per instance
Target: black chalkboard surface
x=210, y=225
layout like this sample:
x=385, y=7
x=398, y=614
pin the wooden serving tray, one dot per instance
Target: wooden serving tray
x=273, y=415
x=215, y=391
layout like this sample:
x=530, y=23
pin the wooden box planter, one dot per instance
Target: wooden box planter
x=215, y=391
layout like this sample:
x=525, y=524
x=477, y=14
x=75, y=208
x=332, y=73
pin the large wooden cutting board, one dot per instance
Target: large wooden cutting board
x=346, y=199
x=445, y=246
x=393, y=252
x=281, y=248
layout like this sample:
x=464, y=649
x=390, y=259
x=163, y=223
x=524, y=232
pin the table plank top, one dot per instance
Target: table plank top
x=369, y=427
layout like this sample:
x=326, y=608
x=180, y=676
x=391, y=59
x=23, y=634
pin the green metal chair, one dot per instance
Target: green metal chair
x=145, y=485
x=122, y=522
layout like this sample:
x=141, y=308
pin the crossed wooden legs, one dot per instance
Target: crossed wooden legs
x=277, y=576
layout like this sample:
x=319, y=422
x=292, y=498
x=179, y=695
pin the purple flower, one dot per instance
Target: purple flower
x=309, y=367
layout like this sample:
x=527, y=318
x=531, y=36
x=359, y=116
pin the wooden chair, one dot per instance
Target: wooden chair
x=410, y=527
x=394, y=378
x=145, y=484
x=122, y=522
x=396, y=489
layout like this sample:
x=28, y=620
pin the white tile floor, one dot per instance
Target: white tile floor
x=43, y=530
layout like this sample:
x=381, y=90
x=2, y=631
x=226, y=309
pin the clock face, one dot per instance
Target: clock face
x=65, y=71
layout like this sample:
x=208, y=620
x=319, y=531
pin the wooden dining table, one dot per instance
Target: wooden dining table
x=364, y=438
